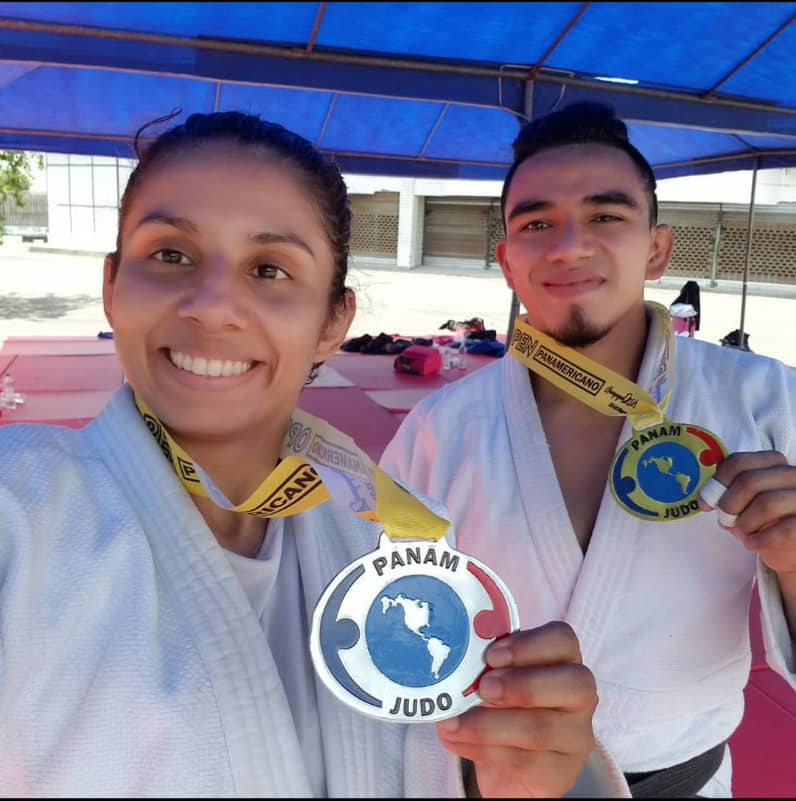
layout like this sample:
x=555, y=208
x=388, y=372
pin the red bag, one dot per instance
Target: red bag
x=418, y=360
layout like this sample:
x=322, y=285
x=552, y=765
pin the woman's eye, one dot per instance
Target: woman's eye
x=170, y=256
x=268, y=271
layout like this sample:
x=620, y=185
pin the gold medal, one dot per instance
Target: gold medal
x=658, y=473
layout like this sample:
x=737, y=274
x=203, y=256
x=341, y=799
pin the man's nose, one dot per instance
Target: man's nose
x=572, y=242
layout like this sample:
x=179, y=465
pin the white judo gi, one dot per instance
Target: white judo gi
x=131, y=661
x=661, y=609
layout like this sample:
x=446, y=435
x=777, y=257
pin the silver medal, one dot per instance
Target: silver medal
x=400, y=634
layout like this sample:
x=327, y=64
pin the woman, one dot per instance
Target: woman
x=153, y=640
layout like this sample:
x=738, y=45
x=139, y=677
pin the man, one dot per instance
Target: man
x=585, y=465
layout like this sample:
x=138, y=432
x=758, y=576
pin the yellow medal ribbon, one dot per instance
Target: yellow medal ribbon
x=658, y=473
x=317, y=463
x=591, y=382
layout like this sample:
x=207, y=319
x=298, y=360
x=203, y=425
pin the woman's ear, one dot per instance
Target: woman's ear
x=337, y=327
x=660, y=254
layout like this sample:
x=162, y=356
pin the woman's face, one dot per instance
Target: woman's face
x=220, y=305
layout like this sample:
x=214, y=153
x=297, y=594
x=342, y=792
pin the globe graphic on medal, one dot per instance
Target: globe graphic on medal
x=417, y=630
x=668, y=472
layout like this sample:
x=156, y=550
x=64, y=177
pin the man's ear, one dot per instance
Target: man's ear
x=107, y=287
x=337, y=327
x=660, y=253
x=500, y=255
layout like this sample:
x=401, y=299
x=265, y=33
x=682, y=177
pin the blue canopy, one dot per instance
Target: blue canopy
x=421, y=89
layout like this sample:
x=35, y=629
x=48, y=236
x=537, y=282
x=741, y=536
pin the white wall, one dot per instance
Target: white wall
x=83, y=190
x=83, y=195
x=773, y=186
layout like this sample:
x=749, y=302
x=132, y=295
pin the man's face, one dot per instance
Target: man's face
x=579, y=246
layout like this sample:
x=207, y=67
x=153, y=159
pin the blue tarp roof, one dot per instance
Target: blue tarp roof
x=422, y=89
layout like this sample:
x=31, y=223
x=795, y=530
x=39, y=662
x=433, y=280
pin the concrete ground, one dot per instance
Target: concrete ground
x=51, y=293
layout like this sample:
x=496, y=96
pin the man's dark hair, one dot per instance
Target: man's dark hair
x=580, y=123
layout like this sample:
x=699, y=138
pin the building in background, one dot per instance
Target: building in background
x=83, y=194
x=407, y=223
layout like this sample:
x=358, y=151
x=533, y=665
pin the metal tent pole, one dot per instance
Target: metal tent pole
x=514, y=309
x=748, y=254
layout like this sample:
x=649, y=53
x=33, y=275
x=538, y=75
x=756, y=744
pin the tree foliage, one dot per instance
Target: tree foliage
x=16, y=175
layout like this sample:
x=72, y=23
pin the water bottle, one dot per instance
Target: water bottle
x=462, y=355
x=8, y=393
x=9, y=397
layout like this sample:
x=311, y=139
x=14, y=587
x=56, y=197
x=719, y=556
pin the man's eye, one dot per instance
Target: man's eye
x=606, y=218
x=537, y=225
x=268, y=271
x=170, y=256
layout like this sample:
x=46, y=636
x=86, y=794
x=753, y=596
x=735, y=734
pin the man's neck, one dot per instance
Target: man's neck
x=620, y=350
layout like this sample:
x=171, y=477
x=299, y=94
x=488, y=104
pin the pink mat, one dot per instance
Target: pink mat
x=352, y=411
x=72, y=388
x=398, y=400
x=762, y=745
x=375, y=371
x=762, y=748
x=51, y=346
x=6, y=361
x=66, y=373
x=77, y=405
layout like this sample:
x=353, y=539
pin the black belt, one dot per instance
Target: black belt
x=678, y=781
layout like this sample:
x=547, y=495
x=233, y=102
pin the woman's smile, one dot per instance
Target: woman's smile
x=204, y=366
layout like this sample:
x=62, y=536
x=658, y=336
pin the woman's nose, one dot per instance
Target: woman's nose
x=216, y=297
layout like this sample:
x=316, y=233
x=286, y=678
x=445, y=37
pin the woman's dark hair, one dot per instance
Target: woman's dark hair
x=580, y=123
x=321, y=176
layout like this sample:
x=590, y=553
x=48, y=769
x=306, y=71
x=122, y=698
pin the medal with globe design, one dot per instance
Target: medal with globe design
x=400, y=634
x=657, y=475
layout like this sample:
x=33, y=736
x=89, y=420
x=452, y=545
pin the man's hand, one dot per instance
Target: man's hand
x=533, y=733
x=758, y=505
x=754, y=495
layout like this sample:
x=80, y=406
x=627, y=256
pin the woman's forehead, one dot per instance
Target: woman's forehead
x=190, y=160
x=227, y=178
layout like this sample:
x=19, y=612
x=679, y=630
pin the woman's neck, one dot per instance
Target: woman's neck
x=241, y=533
x=237, y=468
